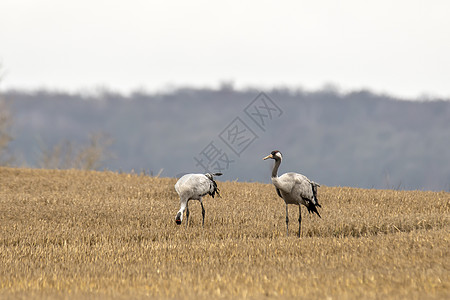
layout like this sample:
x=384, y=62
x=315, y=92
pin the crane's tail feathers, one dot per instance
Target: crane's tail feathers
x=217, y=191
x=312, y=208
x=214, y=189
x=314, y=186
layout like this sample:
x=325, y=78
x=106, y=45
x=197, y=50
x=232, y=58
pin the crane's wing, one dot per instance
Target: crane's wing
x=295, y=184
x=300, y=187
x=193, y=186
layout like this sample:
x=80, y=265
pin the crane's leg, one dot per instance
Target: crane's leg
x=299, y=219
x=187, y=214
x=203, y=213
x=287, y=221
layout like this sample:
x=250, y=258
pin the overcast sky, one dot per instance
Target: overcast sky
x=397, y=47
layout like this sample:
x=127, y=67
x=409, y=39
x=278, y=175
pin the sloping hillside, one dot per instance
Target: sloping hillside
x=82, y=234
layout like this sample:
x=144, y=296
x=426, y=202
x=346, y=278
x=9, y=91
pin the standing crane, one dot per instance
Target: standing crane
x=194, y=187
x=295, y=189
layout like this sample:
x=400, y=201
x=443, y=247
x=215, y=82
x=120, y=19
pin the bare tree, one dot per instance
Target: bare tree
x=92, y=155
x=66, y=155
x=57, y=157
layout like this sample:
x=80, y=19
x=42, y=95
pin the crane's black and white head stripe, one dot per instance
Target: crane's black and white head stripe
x=274, y=155
x=179, y=218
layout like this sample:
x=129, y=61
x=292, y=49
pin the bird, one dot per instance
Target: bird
x=295, y=189
x=194, y=187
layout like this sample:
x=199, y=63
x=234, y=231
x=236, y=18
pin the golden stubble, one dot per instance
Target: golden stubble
x=81, y=234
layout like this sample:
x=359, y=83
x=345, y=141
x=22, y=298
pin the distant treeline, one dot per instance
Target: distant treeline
x=358, y=139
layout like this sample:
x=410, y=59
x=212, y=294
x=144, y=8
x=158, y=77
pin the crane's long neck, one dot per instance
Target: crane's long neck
x=276, y=165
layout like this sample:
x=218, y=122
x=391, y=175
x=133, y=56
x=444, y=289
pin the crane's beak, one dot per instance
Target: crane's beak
x=268, y=156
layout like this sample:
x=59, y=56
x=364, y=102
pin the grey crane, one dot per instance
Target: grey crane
x=194, y=187
x=295, y=189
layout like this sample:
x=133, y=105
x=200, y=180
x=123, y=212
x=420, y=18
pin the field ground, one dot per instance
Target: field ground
x=77, y=234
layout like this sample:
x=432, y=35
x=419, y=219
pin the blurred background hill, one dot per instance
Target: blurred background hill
x=358, y=139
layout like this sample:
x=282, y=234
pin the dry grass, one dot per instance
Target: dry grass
x=80, y=234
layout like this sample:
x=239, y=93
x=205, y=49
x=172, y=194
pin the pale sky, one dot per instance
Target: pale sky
x=396, y=47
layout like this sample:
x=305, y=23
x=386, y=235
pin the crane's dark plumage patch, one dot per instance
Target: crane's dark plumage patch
x=275, y=152
x=311, y=207
x=178, y=219
x=314, y=186
x=278, y=192
x=213, y=189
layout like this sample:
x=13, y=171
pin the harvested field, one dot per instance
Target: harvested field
x=79, y=234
